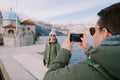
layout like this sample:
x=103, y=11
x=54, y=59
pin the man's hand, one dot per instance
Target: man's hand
x=67, y=44
x=84, y=44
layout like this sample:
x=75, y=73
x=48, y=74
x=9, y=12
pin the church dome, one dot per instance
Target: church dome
x=10, y=16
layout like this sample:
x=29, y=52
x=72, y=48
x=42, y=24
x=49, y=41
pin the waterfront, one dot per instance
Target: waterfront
x=27, y=61
x=77, y=52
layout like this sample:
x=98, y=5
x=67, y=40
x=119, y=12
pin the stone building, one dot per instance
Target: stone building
x=16, y=32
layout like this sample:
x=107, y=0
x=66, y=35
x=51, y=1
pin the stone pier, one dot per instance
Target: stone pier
x=22, y=63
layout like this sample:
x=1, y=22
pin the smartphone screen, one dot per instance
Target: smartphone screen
x=75, y=37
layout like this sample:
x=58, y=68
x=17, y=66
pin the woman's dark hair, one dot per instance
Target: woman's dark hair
x=110, y=19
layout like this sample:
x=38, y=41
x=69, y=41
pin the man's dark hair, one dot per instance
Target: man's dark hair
x=110, y=19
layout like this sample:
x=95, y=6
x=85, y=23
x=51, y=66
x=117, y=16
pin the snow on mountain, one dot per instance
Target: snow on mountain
x=44, y=28
x=74, y=28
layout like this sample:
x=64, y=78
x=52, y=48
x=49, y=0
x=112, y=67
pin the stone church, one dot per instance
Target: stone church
x=16, y=32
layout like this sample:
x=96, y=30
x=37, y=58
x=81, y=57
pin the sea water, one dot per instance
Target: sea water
x=78, y=54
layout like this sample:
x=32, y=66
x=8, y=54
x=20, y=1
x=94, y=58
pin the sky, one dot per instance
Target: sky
x=58, y=11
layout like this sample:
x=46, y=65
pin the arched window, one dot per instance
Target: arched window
x=28, y=29
x=10, y=32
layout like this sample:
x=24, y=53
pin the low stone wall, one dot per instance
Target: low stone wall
x=9, y=41
x=4, y=73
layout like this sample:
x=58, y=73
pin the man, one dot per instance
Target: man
x=104, y=58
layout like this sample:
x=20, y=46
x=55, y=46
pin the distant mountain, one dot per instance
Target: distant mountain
x=44, y=28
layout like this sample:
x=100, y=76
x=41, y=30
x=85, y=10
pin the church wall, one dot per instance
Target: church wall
x=8, y=22
x=32, y=27
x=12, y=41
x=7, y=29
x=20, y=31
x=28, y=38
x=9, y=41
x=19, y=39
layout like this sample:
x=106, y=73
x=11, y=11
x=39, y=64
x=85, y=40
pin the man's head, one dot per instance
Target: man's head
x=108, y=23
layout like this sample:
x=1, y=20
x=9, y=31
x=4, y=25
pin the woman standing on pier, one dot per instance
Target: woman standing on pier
x=51, y=50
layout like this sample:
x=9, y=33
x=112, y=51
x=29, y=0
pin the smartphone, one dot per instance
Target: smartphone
x=75, y=37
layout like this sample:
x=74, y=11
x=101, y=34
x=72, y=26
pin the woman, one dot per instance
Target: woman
x=51, y=50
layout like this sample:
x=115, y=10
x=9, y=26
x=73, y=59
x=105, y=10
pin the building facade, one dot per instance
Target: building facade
x=16, y=33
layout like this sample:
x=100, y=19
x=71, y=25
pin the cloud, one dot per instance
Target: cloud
x=46, y=9
x=90, y=19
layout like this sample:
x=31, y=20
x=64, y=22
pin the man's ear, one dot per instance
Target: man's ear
x=106, y=33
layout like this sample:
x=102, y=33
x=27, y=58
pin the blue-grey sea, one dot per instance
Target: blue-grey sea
x=77, y=52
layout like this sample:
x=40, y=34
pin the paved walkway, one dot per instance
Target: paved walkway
x=22, y=63
x=31, y=64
